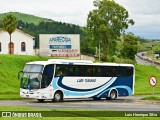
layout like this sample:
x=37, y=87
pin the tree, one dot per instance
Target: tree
x=107, y=22
x=9, y=23
x=87, y=47
x=130, y=46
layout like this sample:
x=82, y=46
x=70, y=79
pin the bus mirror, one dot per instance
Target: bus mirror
x=19, y=74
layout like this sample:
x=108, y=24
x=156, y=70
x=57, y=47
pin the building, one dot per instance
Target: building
x=59, y=45
x=21, y=43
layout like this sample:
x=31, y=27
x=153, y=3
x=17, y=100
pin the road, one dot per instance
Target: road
x=144, y=62
x=121, y=104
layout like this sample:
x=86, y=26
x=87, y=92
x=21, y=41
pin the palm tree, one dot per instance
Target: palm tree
x=9, y=23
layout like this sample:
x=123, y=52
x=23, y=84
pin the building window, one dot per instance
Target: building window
x=23, y=46
x=0, y=47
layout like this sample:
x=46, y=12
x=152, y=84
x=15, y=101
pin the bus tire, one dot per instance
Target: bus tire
x=58, y=96
x=41, y=100
x=113, y=95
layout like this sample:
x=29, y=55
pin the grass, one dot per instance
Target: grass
x=143, y=73
x=10, y=65
x=88, y=118
x=9, y=96
x=20, y=109
x=151, y=98
x=27, y=18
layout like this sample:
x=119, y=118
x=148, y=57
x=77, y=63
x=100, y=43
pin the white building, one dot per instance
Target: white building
x=21, y=43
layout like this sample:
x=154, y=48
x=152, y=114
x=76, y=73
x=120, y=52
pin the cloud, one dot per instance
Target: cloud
x=144, y=7
x=72, y=11
x=145, y=13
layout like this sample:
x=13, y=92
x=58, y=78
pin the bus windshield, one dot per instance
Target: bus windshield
x=32, y=76
x=33, y=68
x=31, y=80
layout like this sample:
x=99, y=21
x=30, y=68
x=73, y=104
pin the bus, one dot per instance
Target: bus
x=57, y=79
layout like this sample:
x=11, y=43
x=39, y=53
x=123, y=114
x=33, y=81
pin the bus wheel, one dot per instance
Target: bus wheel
x=58, y=96
x=40, y=100
x=113, y=95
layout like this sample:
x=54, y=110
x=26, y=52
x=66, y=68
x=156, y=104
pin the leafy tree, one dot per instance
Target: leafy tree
x=87, y=46
x=130, y=46
x=106, y=23
x=9, y=23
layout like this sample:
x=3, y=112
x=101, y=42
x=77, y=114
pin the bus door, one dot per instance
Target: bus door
x=47, y=75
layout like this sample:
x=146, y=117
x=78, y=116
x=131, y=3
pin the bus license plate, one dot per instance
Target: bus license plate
x=27, y=95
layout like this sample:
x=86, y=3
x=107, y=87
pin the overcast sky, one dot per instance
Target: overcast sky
x=145, y=13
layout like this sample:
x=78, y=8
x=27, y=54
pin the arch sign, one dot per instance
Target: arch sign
x=153, y=81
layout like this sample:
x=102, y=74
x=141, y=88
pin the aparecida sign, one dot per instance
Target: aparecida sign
x=59, y=45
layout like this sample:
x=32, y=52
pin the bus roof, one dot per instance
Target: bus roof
x=76, y=62
x=71, y=61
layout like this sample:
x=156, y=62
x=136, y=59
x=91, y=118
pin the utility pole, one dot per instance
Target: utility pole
x=99, y=52
x=152, y=56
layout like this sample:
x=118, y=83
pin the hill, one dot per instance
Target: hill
x=34, y=26
x=10, y=65
x=26, y=18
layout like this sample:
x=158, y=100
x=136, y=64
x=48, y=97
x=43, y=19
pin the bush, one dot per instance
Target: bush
x=121, y=60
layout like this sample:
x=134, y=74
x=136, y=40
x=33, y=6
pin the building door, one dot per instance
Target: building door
x=12, y=48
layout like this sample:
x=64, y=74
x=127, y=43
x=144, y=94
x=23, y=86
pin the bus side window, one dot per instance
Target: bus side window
x=119, y=71
x=65, y=71
x=60, y=70
x=91, y=74
x=96, y=71
x=88, y=71
x=71, y=72
x=129, y=71
x=108, y=71
x=80, y=71
x=57, y=71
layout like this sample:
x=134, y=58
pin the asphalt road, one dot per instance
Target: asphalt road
x=144, y=62
x=121, y=104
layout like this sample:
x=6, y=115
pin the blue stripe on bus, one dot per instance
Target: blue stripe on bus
x=75, y=89
x=77, y=93
x=117, y=83
x=129, y=90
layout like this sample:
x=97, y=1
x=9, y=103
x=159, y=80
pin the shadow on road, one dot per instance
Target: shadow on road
x=119, y=100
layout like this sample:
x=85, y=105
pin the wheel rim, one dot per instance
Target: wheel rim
x=57, y=96
x=113, y=95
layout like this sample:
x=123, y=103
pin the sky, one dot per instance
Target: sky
x=145, y=13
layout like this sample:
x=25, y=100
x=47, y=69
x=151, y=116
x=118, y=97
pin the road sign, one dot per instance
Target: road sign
x=153, y=81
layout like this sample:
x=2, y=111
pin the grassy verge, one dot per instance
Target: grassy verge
x=14, y=96
x=75, y=116
x=10, y=65
x=85, y=118
x=151, y=98
x=143, y=73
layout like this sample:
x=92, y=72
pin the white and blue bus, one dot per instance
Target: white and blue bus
x=60, y=79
